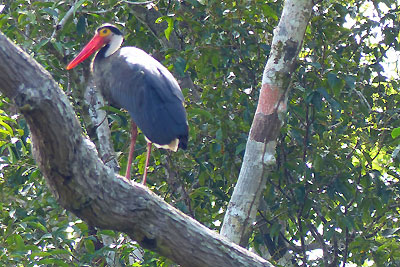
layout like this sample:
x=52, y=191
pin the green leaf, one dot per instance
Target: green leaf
x=58, y=46
x=274, y=230
x=200, y=192
x=107, y=232
x=390, y=231
x=315, y=99
x=81, y=25
x=336, y=109
x=41, y=44
x=50, y=11
x=60, y=252
x=350, y=81
x=79, y=4
x=349, y=222
x=113, y=110
x=307, y=207
x=19, y=242
x=367, y=157
x=81, y=226
x=52, y=262
x=269, y=12
x=202, y=178
x=89, y=245
x=180, y=66
x=40, y=254
x=395, y=132
x=47, y=236
x=335, y=83
x=202, y=112
x=38, y=225
x=219, y=135
x=240, y=148
x=170, y=27
x=215, y=60
x=8, y=130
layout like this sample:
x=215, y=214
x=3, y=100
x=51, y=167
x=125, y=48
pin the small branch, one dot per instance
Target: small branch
x=98, y=11
x=292, y=246
x=138, y=3
x=305, y=140
x=59, y=26
x=321, y=241
x=336, y=251
x=98, y=117
x=302, y=241
x=346, y=248
x=354, y=149
x=363, y=99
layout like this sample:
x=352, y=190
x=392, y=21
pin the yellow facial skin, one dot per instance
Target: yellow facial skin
x=104, y=32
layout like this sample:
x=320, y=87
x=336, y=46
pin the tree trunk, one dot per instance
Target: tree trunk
x=259, y=159
x=84, y=185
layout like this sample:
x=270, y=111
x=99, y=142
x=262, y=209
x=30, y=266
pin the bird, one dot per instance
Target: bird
x=131, y=79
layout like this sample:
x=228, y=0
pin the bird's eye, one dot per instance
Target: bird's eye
x=104, y=32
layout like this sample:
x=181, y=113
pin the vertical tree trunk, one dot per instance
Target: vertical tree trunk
x=259, y=158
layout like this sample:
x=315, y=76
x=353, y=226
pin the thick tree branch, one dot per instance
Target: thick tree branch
x=259, y=159
x=84, y=185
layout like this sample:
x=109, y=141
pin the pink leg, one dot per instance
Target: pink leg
x=131, y=150
x=147, y=162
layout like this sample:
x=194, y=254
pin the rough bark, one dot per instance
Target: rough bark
x=84, y=185
x=259, y=159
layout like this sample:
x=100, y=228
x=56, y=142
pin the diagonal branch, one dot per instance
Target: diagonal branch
x=82, y=184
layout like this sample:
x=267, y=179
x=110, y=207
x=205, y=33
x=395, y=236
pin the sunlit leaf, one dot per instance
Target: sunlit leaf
x=396, y=132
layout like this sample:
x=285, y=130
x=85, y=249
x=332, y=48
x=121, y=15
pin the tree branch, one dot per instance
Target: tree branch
x=82, y=184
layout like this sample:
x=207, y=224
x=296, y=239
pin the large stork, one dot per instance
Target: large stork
x=130, y=78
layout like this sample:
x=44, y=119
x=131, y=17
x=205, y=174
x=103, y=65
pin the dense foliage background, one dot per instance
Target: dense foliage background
x=335, y=191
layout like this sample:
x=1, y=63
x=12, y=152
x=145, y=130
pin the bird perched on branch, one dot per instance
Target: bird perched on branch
x=130, y=78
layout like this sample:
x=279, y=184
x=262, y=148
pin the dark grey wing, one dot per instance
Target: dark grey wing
x=151, y=95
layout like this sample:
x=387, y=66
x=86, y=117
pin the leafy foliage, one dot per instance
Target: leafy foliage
x=336, y=183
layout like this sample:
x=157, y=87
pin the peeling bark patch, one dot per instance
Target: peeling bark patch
x=265, y=127
x=290, y=48
x=269, y=97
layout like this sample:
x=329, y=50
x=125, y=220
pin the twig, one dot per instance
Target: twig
x=138, y=3
x=291, y=245
x=305, y=140
x=302, y=241
x=346, y=247
x=97, y=12
x=60, y=25
x=320, y=240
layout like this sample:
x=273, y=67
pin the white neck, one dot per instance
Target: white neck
x=114, y=45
